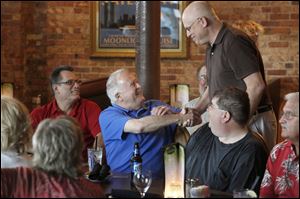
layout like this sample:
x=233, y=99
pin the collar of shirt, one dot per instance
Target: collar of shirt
x=292, y=148
x=220, y=35
x=135, y=113
x=56, y=110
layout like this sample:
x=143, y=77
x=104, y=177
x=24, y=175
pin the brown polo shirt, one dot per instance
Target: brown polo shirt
x=231, y=58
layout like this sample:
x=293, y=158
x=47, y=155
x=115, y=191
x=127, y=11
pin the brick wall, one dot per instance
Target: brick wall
x=37, y=36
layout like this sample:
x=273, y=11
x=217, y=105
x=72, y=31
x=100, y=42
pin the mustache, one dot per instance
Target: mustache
x=75, y=90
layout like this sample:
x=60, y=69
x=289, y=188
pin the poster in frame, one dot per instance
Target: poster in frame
x=113, y=29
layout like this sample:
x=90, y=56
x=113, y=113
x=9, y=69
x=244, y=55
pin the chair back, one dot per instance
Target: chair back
x=260, y=138
x=182, y=135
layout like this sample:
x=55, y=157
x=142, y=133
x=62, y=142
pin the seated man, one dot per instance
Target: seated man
x=281, y=179
x=202, y=85
x=16, y=133
x=66, y=89
x=130, y=119
x=57, y=144
x=224, y=154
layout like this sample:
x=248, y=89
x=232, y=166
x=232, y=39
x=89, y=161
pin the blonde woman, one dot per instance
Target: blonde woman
x=56, y=172
x=16, y=133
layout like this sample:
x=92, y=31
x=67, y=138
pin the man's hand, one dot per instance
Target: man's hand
x=191, y=117
x=161, y=110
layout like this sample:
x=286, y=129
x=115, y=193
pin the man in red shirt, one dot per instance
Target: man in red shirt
x=281, y=178
x=66, y=89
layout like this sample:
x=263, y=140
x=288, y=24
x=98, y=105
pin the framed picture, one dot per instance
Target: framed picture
x=113, y=29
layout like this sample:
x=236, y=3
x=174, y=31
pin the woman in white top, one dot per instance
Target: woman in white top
x=16, y=133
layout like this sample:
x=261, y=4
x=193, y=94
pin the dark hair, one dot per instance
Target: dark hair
x=55, y=75
x=236, y=102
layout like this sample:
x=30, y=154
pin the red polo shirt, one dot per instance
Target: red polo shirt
x=85, y=111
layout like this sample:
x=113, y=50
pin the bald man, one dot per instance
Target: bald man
x=202, y=84
x=232, y=59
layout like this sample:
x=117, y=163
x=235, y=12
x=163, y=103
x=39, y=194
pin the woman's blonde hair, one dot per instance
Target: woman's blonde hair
x=57, y=146
x=16, y=130
x=250, y=27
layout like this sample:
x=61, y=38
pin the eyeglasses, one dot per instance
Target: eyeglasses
x=71, y=82
x=202, y=77
x=212, y=106
x=288, y=115
x=190, y=27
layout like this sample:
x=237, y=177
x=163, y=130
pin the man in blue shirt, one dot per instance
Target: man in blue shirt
x=131, y=119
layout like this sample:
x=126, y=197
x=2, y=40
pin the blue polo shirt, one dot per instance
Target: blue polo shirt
x=119, y=144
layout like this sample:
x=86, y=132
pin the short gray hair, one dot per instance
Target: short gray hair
x=57, y=146
x=293, y=96
x=112, y=86
x=16, y=130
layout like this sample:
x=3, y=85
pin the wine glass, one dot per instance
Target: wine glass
x=142, y=181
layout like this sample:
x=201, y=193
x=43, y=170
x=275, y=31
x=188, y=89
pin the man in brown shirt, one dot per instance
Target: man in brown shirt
x=232, y=59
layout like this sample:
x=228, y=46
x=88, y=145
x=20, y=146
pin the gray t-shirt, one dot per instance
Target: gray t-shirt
x=225, y=167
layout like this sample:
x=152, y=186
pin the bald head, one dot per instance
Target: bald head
x=198, y=9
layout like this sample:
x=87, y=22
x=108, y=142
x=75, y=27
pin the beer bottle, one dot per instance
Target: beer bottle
x=136, y=161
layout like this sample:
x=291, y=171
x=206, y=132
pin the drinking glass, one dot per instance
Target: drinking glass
x=142, y=181
x=94, y=156
x=244, y=193
x=190, y=183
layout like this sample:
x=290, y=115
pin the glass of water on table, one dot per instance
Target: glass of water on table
x=94, y=157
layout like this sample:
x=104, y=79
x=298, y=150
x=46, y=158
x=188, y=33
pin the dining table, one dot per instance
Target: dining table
x=118, y=185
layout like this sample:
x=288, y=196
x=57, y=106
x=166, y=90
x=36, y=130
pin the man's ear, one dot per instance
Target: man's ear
x=54, y=88
x=203, y=21
x=118, y=96
x=226, y=116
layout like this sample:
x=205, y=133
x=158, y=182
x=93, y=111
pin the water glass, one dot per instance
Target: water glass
x=94, y=156
x=244, y=193
x=190, y=183
x=142, y=181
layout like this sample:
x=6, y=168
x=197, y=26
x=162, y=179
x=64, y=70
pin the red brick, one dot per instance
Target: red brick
x=279, y=16
x=277, y=30
x=278, y=44
x=276, y=9
x=295, y=16
x=277, y=72
x=269, y=23
x=266, y=9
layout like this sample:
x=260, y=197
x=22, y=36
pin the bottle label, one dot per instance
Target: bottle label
x=137, y=167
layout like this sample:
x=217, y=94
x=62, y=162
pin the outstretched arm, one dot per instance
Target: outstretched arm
x=154, y=122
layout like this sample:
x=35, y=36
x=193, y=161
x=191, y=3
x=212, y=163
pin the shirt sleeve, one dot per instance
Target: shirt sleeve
x=36, y=117
x=156, y=103
x=243, y=58
x=112, y=123
x=93, y=113
x=267, y=184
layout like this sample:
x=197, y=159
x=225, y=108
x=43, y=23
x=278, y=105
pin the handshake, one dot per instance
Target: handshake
x=189, y=117
x=186, y=118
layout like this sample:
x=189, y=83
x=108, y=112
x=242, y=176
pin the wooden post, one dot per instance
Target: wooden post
x=148, y=47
